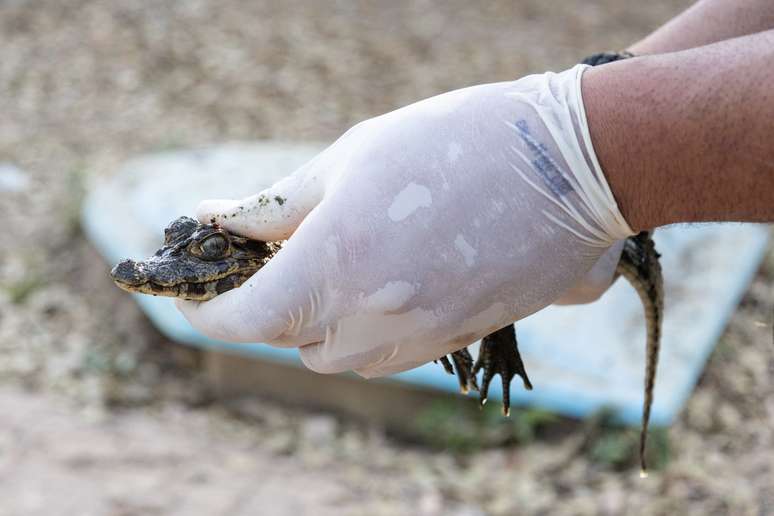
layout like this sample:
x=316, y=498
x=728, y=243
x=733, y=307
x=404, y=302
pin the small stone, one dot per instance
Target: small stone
x=281, y=443
x=12, y=178
x=700, y=411
x=318, y=430
x=729, y=417
x=465, y=510
x=431, y=503
x=248, y=408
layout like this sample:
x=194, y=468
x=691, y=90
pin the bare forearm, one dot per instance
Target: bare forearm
x=688, y=136
x=708, y=21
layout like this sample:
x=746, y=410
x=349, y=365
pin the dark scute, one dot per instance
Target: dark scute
x=196, y=289
x=129, y=272
x=254, y=247
x=226, y=284
x=179, y=229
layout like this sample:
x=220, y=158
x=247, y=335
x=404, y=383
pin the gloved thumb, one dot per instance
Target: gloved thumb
x=274, y=213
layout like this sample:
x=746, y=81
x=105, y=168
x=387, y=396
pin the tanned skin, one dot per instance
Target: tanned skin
x=688, y=136
x=708, y=21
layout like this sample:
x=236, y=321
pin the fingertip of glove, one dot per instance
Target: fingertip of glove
x=312, y=357
x=251, y=217
x=382, y=370
x=213, y=211
x=367, y=373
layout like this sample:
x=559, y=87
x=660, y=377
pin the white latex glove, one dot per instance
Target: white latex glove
x=420, y=231
x=596, y=281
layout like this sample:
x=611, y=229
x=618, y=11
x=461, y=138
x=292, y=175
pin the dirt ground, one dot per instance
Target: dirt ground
x=99, y=415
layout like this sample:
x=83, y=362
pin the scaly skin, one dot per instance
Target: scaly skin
x=196, y=262
x=463, y=366
x=499, y=354
x=640, y=265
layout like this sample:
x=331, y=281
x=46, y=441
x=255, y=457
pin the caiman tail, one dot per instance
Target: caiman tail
x=640, y=266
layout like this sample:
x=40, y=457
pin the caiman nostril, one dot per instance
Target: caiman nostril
x=127, y=271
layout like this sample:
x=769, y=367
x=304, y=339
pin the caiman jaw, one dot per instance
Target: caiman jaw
x=129, y=276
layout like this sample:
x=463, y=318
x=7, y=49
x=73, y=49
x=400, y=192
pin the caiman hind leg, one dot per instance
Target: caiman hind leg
x=499, y=354
x=640, y=266
x=463, y=366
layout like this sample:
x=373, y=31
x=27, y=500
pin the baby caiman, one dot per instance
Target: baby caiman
x=200, y=261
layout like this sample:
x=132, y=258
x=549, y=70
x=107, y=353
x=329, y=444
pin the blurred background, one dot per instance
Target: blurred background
x=100, y=414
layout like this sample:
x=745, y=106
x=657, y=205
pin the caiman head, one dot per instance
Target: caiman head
x=197, y=262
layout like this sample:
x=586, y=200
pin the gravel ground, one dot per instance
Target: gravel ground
x=100, y=415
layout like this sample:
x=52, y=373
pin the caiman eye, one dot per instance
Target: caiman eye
x=214, y=246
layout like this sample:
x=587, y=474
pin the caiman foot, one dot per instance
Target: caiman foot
x=499, y=354
x=463, y=365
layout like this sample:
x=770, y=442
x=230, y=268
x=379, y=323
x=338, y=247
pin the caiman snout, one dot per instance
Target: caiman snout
x=128, y=272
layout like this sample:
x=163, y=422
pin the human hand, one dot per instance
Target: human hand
x=420, y=231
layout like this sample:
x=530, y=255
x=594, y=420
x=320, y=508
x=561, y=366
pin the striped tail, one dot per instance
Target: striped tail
x=640, y=265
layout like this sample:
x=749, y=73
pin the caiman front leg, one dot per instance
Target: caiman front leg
x=499, y=354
